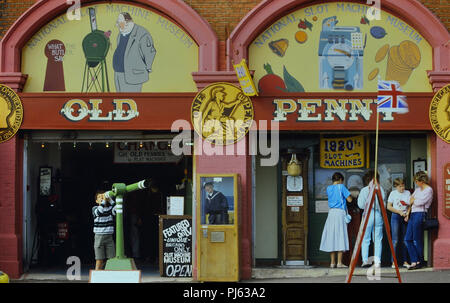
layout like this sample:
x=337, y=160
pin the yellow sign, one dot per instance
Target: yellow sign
x=221, y=113
x=440, y=113
x=11, y=113
x=245, y=79
x=346, y=152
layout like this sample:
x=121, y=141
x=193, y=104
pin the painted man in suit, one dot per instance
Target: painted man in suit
x=134, y=55
x=216, y=205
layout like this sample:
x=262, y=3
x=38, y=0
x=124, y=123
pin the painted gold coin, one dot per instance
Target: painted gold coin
x=394, y=59
x=440, y=113
x=381, y=53
x=221, y=113
x=373, y=74
x=11, y=113
x=301, y=37
x=409, y=54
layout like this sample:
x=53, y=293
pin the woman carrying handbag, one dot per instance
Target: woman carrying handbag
x=335, y=235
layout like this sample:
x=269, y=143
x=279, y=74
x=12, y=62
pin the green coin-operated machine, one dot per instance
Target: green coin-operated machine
x=121, y=262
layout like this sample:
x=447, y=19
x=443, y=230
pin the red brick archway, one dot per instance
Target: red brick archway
x=429, y=26
x=10, y=74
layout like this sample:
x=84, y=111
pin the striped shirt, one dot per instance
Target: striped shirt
x=104, y=218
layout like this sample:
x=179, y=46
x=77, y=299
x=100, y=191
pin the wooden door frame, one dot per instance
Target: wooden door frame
x=303, y=154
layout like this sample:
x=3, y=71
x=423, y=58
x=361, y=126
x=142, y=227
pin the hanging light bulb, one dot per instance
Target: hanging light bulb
x=42, y=145
x=140, y=144
x=107, y=145
x=74, y=144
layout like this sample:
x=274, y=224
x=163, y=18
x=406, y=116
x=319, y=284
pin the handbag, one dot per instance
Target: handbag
x=348, y=217
x=430, y=223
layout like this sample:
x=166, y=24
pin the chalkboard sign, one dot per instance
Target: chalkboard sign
x=175, y=248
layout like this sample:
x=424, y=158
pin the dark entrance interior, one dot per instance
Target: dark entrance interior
x=84, y=168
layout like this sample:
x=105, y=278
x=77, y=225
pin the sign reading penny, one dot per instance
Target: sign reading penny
x=440, y=113
x=221, y=113
x=11, y=113
x=447, y=191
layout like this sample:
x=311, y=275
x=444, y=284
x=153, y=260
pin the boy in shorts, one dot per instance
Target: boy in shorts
x=104, y=214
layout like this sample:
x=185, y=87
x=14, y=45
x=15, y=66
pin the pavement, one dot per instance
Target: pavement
x=285, y=274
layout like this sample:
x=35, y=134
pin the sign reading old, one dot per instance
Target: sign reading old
x=221, y=113
x=76, y=110
x=440, y=113
x=11, y=113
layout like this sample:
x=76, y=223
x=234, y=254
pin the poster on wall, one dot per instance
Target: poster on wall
x=175, y=246
x=333, y=46
x=113, y=47
x=343, y=152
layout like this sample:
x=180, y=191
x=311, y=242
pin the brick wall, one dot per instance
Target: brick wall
x=10, y=11
x=223, y=15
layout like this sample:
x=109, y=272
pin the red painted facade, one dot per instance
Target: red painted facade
x=155, y=116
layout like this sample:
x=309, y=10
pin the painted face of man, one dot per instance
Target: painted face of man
x=121, y=23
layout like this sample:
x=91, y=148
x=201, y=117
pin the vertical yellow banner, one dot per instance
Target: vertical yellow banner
x=245, y=79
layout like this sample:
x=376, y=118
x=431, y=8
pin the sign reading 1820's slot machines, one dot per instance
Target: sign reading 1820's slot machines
x=343, y=152
x=175, y=238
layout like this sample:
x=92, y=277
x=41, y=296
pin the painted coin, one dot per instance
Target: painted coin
x=11, y=113
x=373, y=74
x=394, y=59
x=381, y=53
x=301, y=36
x=409, y=54
x=221, y=113
x=440, y=113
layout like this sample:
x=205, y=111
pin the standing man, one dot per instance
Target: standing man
x=134, y=55
x=216, y=205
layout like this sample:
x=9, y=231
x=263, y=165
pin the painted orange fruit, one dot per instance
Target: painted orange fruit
x=301, y=36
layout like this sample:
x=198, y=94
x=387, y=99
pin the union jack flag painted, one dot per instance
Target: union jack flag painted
x=391, y=98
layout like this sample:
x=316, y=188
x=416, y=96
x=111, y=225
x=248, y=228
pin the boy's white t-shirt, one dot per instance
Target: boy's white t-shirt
x=395, y=197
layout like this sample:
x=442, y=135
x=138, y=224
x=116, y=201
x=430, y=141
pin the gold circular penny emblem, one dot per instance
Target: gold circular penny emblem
x=221, y=113
x=11, y=113
x=440, y=113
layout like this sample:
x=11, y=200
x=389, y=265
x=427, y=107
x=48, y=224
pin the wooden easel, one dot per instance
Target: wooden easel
x=373, y=190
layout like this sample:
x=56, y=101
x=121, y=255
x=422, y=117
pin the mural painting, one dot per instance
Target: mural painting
x=335, y=47
x=112, y=48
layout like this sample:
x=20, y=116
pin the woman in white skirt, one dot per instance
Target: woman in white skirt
x=335, y=236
